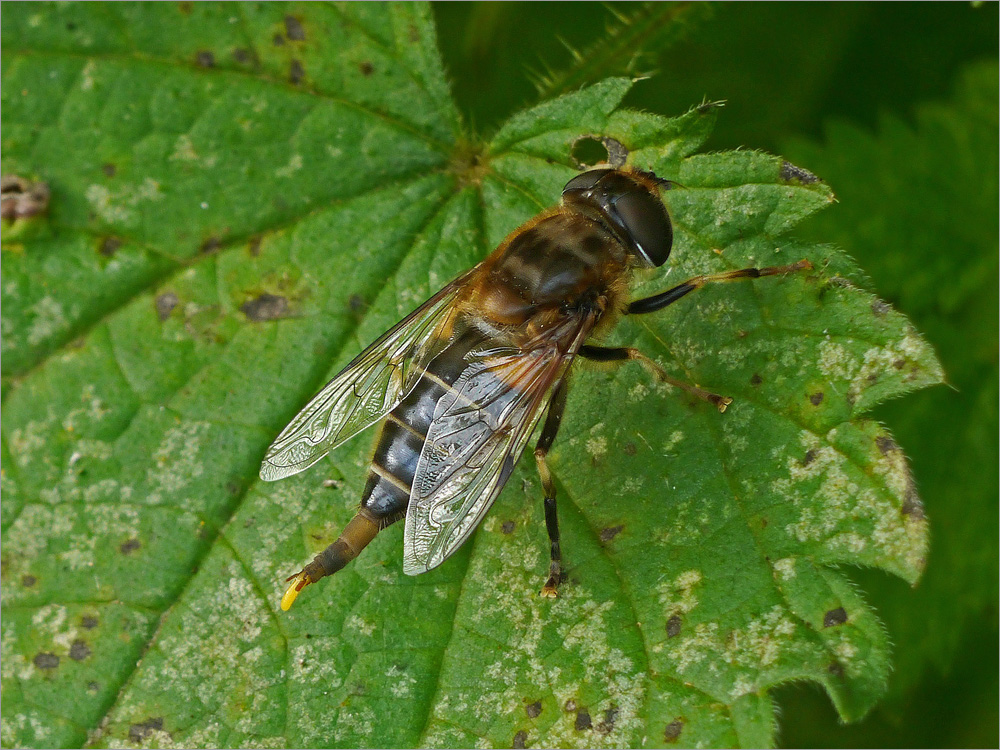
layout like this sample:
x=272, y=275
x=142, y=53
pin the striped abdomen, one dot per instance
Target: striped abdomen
x=387, y=492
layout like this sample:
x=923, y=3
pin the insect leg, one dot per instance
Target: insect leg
x=627, y=354
x=359, y=531
x=661, y=300
x=549, y=430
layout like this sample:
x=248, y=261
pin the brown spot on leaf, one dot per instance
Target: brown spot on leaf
x=610, y=532
x=630, y=449
x=809, y=457
x=185, y=7
x=165, y=303
x=296, y=72
x=109, y=169
x=816, y=399
x=109, y=246
x=835, y=669
x=912, y=506
x=880, y=308
x=89, y=622
x=294, y=30
x=129, y=546
x=79, y=650
x=265, y=307
x=790, y=173
x=278, y=40
x=519, y=739
x=28, y=581
x=607, y=724
x=673, y=730
x=836, y=616
x=21, y=198
x=756, y=379
x=356, y=302
x=763, y=522
x=533, y=709
x=886, y=444
x=242, y=55
x=507, y=527
x=582, y=720
x=45, y=660
x=138, y=732
x=210, y=245
x=674, y=626
x=254, y=246
x=899, y=364
x=366, y=68
x=205, y=59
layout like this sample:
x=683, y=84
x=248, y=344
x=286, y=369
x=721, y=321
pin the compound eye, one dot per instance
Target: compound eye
x=644, y=217
x=586, y=181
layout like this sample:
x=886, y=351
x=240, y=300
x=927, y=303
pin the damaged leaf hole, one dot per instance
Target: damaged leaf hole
x=817, y=398
x=583, y=721
x=89, y=622
x=533, y=710
x=507, y=527
x=809, y=457
x=589, y=151
x=520, y=739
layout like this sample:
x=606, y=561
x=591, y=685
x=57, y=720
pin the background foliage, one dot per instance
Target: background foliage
x=907, y=141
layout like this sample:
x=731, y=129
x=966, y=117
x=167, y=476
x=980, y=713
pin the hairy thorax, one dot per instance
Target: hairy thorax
x=562, y=262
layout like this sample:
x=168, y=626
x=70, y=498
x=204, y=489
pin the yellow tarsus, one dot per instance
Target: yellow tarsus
x=296, y=584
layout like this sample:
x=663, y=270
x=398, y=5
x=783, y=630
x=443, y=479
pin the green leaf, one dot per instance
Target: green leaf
x=241, y=203
x=919, y=210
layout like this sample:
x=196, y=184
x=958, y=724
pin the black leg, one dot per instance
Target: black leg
x=628, y=354
x=552, y=421
x=661, y=300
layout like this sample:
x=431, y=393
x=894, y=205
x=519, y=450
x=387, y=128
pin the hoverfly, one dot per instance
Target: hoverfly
x=462, y=381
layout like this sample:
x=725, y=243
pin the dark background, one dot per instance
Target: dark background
x=792, y=74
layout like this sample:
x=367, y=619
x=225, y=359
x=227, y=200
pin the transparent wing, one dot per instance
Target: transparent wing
x=371, y=385
x=475, y=438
